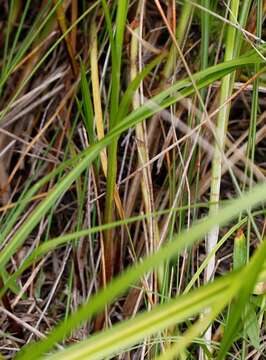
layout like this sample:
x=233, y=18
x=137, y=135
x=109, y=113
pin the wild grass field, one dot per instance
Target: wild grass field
x=132, y=179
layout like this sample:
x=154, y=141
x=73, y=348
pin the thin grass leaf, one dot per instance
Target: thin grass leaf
x=130, y=276
x=130, y=332
x=250, y=275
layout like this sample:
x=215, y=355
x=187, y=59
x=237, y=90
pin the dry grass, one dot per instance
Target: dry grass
x=162, y=164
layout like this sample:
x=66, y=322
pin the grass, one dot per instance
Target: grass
x=132, y=167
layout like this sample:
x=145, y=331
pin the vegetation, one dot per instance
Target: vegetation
x=132, y=179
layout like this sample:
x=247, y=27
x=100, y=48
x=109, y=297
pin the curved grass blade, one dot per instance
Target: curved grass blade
x=251, y=274
x=154, y=105
x=109, y=342
x=130, y=276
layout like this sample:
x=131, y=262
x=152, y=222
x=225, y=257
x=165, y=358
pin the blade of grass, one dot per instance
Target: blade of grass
x=116, y=50
x=181, y=29
x=163, y=99
x=251, y=274
x=130, y=276
x=109, y=342
x=61, y=19
x=142, y=147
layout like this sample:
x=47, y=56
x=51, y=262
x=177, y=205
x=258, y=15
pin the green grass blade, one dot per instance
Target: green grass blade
x=129, y=277
x=129, y=332
x=250, y=275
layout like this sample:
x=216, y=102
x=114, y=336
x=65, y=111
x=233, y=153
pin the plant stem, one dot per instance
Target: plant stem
x=220, y=132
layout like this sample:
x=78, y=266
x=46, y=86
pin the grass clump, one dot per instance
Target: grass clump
x=132, y=180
